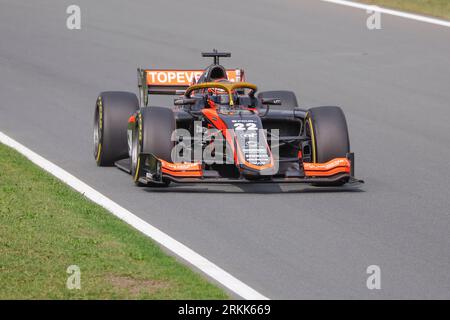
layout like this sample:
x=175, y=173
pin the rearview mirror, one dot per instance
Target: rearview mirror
x=271, y=101
x=184, y=101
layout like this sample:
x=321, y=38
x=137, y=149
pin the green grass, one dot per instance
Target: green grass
x=436, y=8
x=45, y=226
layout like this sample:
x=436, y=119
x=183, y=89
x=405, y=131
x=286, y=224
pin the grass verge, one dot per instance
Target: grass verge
x=46, y=226
x=436, y=8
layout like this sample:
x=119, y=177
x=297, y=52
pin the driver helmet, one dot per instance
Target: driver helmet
x=220, y=96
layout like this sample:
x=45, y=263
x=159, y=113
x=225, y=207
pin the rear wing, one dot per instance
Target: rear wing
x=174, y=82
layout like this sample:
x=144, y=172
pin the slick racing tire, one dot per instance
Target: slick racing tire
x=328, y=130
x=288, y=99
x=153, y=135
x=112, y=110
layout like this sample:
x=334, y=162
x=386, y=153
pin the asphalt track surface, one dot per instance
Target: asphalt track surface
x=284, y=241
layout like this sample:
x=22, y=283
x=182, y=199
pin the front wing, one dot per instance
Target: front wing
x=155, y=170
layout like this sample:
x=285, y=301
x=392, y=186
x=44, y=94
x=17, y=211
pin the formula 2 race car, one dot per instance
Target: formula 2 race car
x=219, y=130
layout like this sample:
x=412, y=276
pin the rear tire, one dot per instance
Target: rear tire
x=288, y=99
x=112, y=110
x=328, y=130
x=155, y=126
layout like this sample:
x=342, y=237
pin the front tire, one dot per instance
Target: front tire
x=153, y=135
x=328, y=130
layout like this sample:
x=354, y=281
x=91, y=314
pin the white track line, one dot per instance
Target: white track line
x=391, y=12
x=165, y=240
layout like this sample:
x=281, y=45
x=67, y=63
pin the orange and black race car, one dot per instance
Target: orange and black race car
x=219, y=130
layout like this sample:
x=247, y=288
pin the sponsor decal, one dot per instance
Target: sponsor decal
x=182, y=77
x=181, y=166
x=252, y=142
